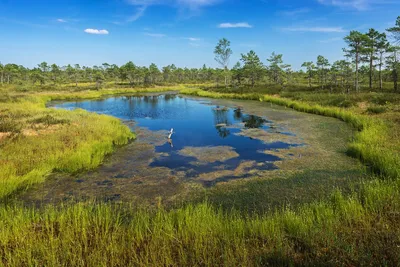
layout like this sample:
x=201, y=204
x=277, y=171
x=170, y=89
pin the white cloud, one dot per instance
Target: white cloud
x=315, y=29
x=356, y=4
x=139, y=13
x=157, y=35
x=235, y=25
x=95, y=31
x=191, y=5
x=295, y=12
x=192, y=39
x=61, y=20
x=195, y=4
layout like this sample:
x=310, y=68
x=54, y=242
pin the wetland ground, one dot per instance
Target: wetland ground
x=312, y=205
x=220, y=150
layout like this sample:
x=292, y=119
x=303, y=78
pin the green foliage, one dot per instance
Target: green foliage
x=396, y=29
x=30, y=156
x=376, y=109
x=49, y=120
x=7, y=124
x=252, y=67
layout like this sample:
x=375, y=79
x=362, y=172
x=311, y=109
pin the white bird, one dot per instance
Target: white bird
x=170, y=133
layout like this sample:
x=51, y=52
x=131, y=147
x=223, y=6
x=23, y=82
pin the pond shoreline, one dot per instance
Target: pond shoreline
x=359, y=228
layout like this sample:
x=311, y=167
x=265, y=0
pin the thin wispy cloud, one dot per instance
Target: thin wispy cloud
x=184, y=6
x=235, y=25
x=139, y=13
x=156, y=35
x=192, y=39
x=295, y=12
x=96, y=31
x=359, y=5
x=314, y=29
x=61, y=21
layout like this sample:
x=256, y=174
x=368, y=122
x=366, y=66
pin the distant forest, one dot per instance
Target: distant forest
x=370, y=61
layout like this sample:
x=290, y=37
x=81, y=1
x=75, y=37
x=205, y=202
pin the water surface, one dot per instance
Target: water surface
x=195, y=124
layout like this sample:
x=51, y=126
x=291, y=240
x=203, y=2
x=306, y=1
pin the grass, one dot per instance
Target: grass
x=52, y=140
x=360, y=228
x=376, y=109
x=41, y=140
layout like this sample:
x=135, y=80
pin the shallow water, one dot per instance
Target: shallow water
x=214, y=142
x=195, y=124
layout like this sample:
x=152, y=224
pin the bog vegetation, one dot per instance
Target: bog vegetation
x=360, y=228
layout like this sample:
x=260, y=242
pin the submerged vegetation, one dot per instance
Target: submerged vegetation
x=356, y=228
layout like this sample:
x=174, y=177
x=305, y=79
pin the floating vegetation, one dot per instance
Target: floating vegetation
x=210, y=154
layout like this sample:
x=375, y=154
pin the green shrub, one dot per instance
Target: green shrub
x=376, y=109
x=49, y=120
x=7, y=124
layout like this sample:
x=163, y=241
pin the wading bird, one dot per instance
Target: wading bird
x=169, y=137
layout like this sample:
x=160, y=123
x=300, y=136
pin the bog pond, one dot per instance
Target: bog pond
x=214, y=143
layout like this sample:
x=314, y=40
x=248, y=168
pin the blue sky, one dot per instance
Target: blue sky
x=183, y=32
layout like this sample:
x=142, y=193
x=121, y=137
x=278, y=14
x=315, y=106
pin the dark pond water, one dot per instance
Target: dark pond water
x=195, y=124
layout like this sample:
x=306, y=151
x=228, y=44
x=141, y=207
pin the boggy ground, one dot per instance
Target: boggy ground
x=359, y=229
x=311, y=169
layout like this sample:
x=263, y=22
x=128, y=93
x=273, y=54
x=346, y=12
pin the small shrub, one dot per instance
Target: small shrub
x=49, y=120
x=376, y=109
x=382, y=99
x=7, y=125
x=342, y=102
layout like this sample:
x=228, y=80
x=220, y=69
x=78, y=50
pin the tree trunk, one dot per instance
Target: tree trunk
x=395, y=75
x=309, y=81
x=380, y=72
x=370, y=70
x=356, y=81
x=322, y=79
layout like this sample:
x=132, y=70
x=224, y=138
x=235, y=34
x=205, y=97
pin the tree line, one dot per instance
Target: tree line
x=369, y=57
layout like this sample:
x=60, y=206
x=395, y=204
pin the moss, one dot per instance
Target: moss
x=209, y=154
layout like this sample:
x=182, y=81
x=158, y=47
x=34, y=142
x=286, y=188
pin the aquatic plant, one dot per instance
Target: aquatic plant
x=371, y=144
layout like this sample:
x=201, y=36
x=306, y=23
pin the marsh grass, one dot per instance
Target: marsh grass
x=360, y=228
x=376, y=109
x=79, y=141
x=356, y=230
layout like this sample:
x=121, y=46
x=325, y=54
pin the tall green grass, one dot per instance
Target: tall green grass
x=70, y=141
x=358, y=230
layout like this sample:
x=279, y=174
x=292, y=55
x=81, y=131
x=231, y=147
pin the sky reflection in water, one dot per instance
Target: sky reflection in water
x=195, y=123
